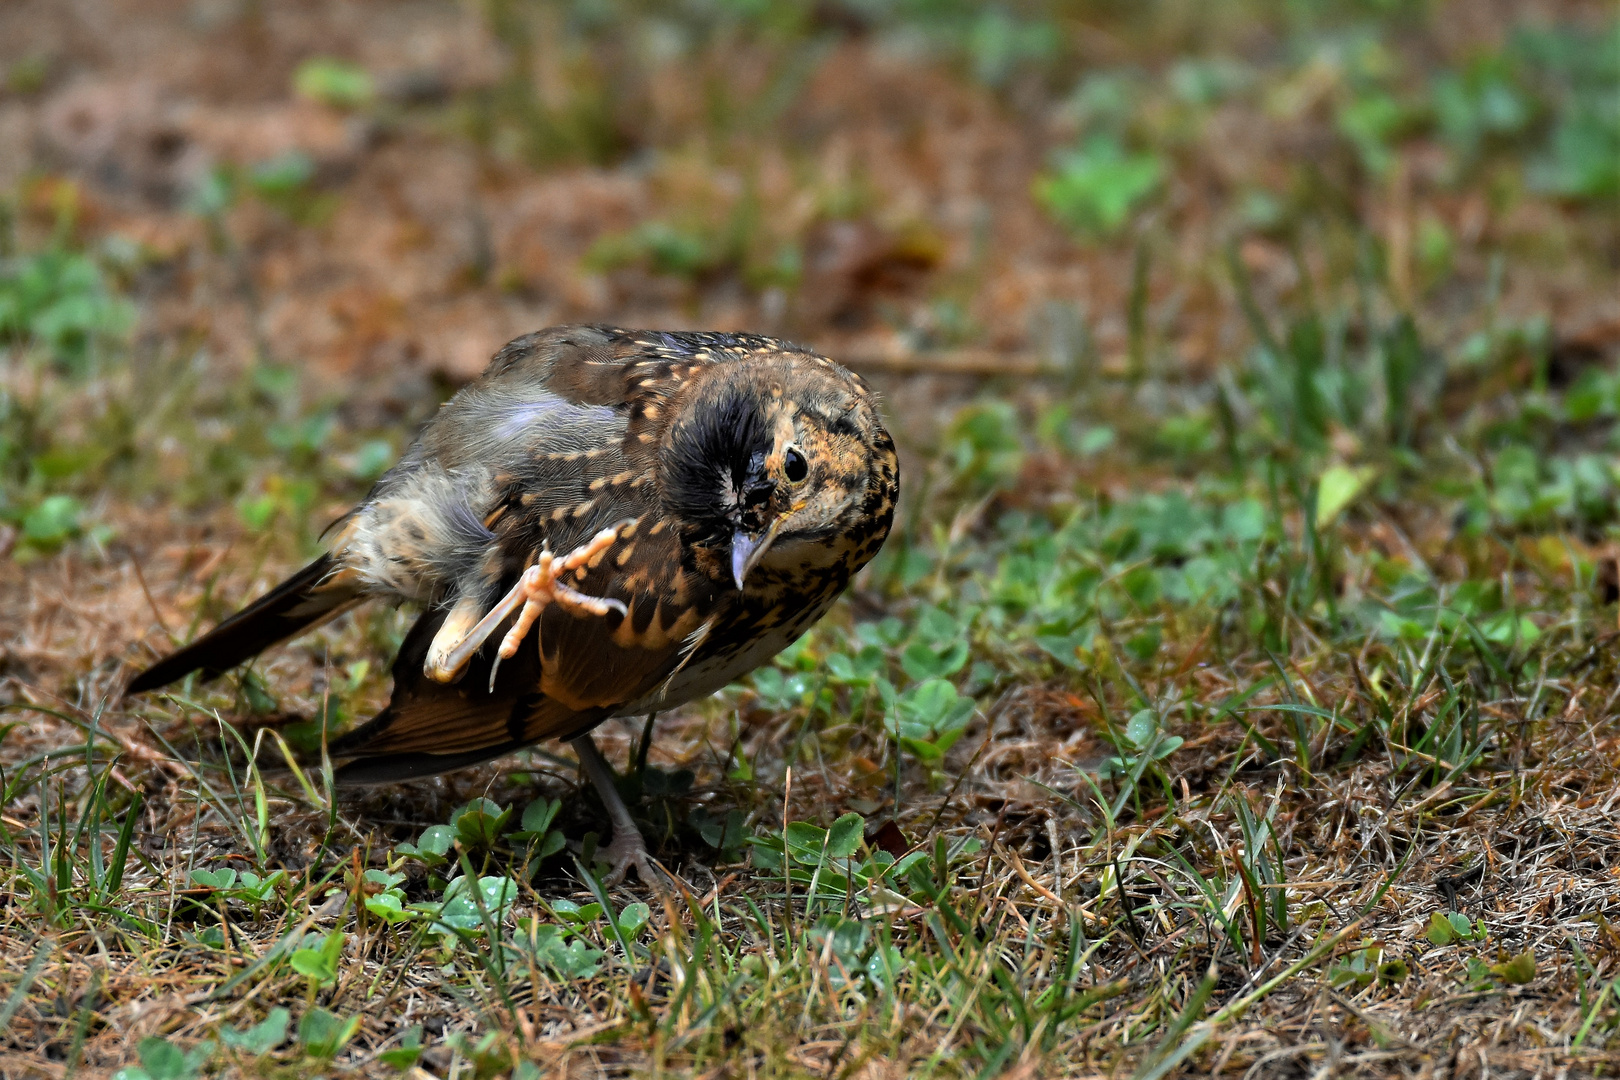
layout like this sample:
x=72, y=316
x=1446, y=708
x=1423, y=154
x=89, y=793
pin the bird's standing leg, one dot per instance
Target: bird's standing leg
x=628, y=848
x=456, y=641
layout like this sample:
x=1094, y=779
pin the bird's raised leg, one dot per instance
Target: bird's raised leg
x=628, y=848
x=456, y=642
x=452, y=633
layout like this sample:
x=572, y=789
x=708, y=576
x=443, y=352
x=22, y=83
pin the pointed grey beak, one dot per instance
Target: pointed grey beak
x=748, y=548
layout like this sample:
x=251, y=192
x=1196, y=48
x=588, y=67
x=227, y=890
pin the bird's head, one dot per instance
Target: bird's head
x=779, y=462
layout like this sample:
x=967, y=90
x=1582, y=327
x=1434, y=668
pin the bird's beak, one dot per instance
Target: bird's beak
x=748, y=548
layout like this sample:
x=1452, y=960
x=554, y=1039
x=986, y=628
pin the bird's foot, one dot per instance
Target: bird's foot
x=629, y=847
x=628, y=851
x=541, y=585
x=455, y=643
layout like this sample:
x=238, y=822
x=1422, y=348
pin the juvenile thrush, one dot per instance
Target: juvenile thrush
x=659, y=512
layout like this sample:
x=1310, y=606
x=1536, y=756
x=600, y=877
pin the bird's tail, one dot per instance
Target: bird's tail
x=310, y=597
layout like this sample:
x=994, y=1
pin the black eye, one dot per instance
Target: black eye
x=794, y=467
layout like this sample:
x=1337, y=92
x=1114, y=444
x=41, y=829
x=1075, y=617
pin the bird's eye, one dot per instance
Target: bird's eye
x=794, y=467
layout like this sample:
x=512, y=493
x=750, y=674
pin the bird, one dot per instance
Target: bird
x=606, y=522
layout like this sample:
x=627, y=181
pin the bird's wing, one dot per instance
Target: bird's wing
x=583, y=669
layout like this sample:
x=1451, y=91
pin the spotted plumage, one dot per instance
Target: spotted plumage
x=715, y=492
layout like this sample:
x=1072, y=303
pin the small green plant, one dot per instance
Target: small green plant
x=333, y=82
x=829, y=865
x=996, y=44
x=560, y=950
x=219, y=881
x=927, y=719
x=488, y=1056
x=939, y=645
x=462, y=910
x=1516, y=970
x=323, y=1035
x=384, y=899
x=60, y=302
x=480, y=827
x=256, y=890
x=723, y=832
x=1337, y=488
x=1373, y=120
x=855, y=951
x=260, y=1038
x=563, y=947
x=432, y=847
x=1094, y=190
x=627, y=922
x=162, y=1060
x=1145, y=745
x=286, y=182
x=1448, y=928
x=985, y=446
x=1367, y=965
x=318, y=962
x=479, y=824
x=1577, y=74
x=52, y=522
x=535, y=831
x=407, y=1053
x=661, y=248
x=1480, y=105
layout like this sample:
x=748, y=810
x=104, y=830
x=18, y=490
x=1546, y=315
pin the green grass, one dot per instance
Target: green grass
x=1252, y=715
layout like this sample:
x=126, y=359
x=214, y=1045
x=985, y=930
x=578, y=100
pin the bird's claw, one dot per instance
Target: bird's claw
x=541, y=585
x=538, y=586
x=628, y=851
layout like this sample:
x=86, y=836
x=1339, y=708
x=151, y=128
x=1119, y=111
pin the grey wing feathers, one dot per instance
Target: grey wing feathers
x=545, y=418
x=422, y=534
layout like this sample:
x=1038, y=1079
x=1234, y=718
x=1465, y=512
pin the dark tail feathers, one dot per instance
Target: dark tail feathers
x=308, y=598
